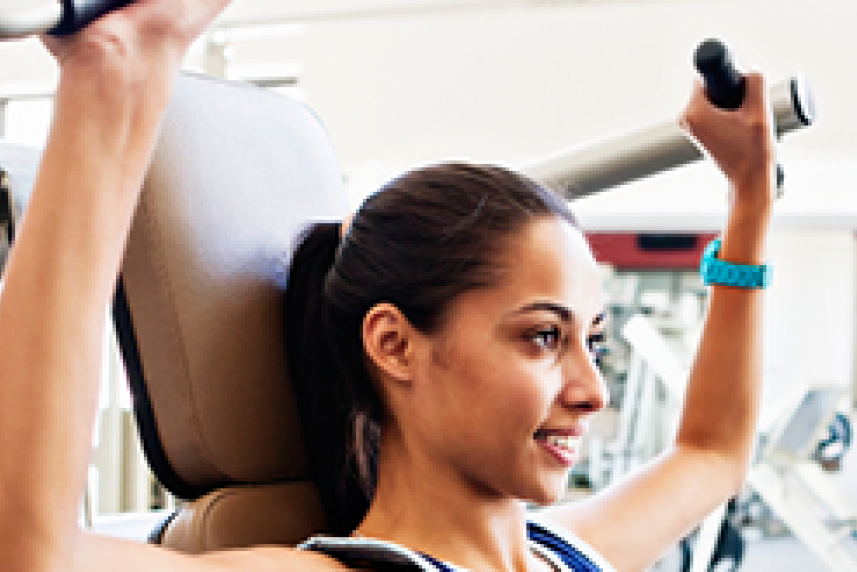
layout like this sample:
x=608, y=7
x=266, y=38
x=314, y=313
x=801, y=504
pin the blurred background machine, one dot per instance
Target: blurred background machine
x=17, y=170
x=655, y=305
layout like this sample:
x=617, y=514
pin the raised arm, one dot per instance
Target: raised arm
x=116, y=79
x=637, y=518
x=722, y=401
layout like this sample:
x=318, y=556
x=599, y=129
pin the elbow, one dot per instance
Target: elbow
x=725, y=470
x=738, y=461
x=739, y=476
x=730, y=472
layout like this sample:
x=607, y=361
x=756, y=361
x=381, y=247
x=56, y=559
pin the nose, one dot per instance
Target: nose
x=584, y=389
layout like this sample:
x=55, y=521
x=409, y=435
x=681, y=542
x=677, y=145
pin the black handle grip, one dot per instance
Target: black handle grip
x=724, y=84
x=78, y=14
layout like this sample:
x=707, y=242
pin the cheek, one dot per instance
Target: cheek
x=501, y=390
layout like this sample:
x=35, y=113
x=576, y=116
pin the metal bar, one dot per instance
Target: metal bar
x=20, y=22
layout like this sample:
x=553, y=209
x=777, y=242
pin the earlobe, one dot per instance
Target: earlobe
x=388, y=341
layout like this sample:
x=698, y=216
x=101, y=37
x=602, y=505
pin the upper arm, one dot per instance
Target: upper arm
x=95, y=553
x=636, y=519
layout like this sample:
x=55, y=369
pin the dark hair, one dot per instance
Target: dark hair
x=418, y=243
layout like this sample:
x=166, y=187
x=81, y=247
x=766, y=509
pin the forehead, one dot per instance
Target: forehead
x=549, y=261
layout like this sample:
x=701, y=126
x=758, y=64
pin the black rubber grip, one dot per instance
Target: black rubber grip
x=724, y=84
x=78, y=14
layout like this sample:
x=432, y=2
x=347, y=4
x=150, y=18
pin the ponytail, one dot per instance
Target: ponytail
x=321, y=352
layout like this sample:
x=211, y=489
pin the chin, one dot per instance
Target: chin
x=548, y=493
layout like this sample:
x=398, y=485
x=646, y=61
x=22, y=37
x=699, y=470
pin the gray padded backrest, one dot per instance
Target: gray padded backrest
x=237, y=173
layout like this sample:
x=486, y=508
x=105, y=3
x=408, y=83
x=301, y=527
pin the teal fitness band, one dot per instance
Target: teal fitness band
x=716, y=271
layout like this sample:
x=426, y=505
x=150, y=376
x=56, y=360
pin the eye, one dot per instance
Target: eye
x=547, y=338
x=596, y=346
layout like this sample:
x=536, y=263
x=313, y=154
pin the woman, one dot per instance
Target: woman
x=469, y=370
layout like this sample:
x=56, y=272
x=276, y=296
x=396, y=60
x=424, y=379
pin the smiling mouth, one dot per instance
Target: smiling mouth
x=568, y=442
x=562, y=445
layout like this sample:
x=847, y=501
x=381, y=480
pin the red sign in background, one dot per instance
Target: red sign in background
x=649, y=251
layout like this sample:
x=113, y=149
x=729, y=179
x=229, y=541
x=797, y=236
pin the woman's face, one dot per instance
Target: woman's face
x=505, y=388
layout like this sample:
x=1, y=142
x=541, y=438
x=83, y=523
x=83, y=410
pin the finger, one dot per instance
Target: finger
x=699, y=110
x=756, y=92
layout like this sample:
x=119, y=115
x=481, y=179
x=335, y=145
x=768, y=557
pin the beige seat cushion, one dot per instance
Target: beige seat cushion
x=282, y=514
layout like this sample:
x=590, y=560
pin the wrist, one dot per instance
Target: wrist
x=715, y=270
x=112, y=97
x=114, y=70
x=744, y=238
x=110, y=111
x=755, y=193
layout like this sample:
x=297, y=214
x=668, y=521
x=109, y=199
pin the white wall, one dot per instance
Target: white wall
x=810, y=309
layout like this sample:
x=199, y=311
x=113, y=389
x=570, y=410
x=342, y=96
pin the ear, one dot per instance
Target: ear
x=389, y=341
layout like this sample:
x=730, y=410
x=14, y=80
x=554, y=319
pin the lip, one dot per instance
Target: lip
x=577, y=430
x=564, y=457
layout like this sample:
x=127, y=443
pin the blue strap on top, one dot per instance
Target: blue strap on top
x=436, y=563
x=567, y=553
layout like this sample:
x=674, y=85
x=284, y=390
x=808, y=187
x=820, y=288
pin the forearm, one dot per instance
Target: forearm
x=722, y=400
x=58, y=284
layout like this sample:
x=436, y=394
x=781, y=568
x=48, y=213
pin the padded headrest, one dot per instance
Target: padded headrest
x=238, y=517
x=237, y=174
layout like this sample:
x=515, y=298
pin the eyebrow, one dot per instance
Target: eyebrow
x=564, y=313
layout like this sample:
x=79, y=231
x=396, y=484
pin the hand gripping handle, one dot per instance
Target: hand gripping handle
x=724, y=84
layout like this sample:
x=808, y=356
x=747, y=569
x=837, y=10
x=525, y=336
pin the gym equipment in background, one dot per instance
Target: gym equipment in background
x=9, y=215
x=18, y=166
x=786, y=473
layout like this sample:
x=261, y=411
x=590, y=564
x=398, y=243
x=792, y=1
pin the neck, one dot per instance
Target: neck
x=428, y=508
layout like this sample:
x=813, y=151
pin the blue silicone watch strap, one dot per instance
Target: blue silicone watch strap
x=716, y=271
